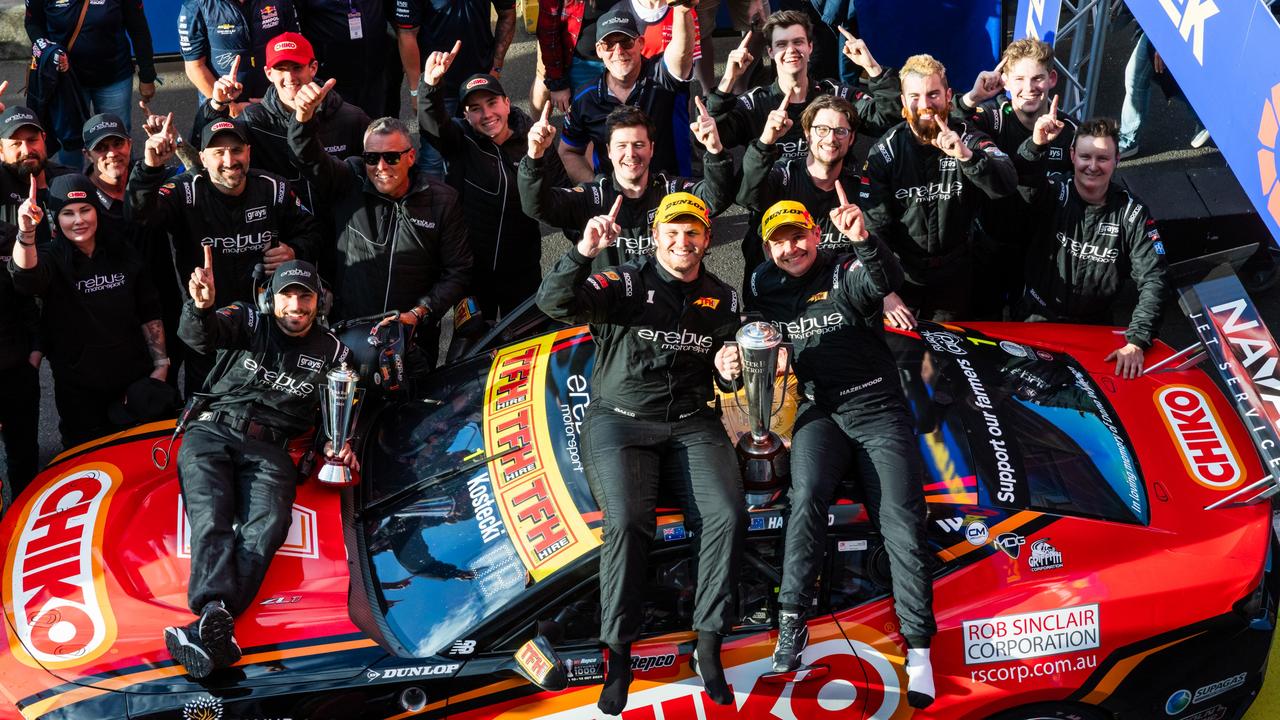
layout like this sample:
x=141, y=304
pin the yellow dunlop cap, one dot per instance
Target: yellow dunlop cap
x=783, y=213
x=682, y=204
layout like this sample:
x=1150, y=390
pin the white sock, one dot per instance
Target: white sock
x=919, y=671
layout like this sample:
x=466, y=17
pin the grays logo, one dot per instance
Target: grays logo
x=1055, y=153
x=412, y=672
x=946, y=163
x=944, y=342
x=306, y=362
x=1190, y=19
x=1109, y=229
x=255, y=214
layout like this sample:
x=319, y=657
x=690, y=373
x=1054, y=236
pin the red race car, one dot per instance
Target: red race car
x=1104, y=551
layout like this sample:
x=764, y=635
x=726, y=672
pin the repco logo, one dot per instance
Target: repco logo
x=645, y=663
x=681, y=340
x=55, y=595
x=1206, y=450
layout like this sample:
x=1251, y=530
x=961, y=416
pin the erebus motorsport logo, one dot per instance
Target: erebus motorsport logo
x=930, y=192
x=807, y=326
x=1206, y=451
x=682, y=339
x=55, y=596
x=1089, y=251
x=276, y=380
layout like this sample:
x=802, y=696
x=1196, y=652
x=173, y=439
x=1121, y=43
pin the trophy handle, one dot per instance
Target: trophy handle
x=786, y=378
x=737, y=396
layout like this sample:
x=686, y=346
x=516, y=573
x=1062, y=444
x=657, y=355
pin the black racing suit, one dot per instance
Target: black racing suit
x=1080, y=254
x=234, y=466
x=766, y=181
x=570, y=208
x=922, y=202
x=741, y=119
x=20, y=391
x=649, y=424
x=999, y=241
x=853, y=417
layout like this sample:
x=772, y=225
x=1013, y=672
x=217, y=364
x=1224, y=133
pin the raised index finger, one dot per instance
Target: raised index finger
x=847, y=35
x=844, y=199
x=32, y=195
x=208, y=258
x=786, y=101
x=234, y=72
x=613, y=212
x=4, y=86
x=546, y=113
x=457, y=45
x=1000, y=65
x=745, y=40
x=702, y=108
x=1053, y=108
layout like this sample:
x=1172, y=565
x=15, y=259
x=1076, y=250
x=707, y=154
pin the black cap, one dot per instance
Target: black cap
x=71, y=188
x=146, y=400
x=102, y=126
x=16, y=117
x=211, y=130
x=296, y=272
x=618, y=20
x=479, y=82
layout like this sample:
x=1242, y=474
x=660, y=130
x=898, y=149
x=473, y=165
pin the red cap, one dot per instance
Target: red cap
x=289, y=47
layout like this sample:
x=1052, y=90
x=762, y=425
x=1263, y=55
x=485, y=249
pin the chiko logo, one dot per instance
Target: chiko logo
x=285, y=45
x=677, y=340
x=55, y=596
x=77, y=195
x=477, y=81
x=1206, y=450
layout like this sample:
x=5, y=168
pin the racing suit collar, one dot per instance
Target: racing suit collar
x=670, y=279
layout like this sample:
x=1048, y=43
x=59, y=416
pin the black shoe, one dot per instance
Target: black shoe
x=793, y=638
x=217, y=634
x=184, y=646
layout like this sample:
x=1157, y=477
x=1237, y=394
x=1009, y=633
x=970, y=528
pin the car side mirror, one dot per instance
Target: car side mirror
x=537, y=662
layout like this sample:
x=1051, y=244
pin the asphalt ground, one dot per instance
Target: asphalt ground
x=1164, y=141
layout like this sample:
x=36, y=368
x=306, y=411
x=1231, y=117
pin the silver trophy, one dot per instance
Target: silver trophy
x=339, y=398
x=762, y=457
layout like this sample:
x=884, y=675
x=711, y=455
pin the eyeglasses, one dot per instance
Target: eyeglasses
x=825, y=130
x=626, y=43
x=392, y=157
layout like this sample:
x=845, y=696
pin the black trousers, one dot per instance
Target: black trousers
x=627, y=460
x=20, y=418
x=228, y=478
x=941, y=295
x=83, y=409
x=880, y=446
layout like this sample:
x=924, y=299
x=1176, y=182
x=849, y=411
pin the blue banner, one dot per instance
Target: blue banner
x=1037, y=19
x=1225, y=55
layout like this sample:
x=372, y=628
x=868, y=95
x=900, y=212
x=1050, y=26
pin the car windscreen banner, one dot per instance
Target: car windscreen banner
x=1037, y=19
x=524, y=431
x=1225, y=55
x=1244, y=354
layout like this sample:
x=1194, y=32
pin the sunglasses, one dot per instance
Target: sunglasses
x=392, y=157
x=626, y=43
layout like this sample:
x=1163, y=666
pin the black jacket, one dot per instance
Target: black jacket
x=391, y=254
x=341, y=129
x=1080, y=254
x=240, y=228
x=506, y=243
x=570, y=208
x=741, y=118
x=656, y=336
x=922, y=202
x=766, y=181
x=833, y=316
x=93, y=309
x=19, y=318
x=261, y=373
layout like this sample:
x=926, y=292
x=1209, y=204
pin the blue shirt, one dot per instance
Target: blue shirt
x=220, y=30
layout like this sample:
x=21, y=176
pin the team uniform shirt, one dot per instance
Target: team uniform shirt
x=93, y=309
x=766, y=181
x=1079, y=254
x=922, y=202
x=263, y=374
x=570, y=208
x=442, y=22
x=832, y=315
x=656, y=92
x=101, y=55
x=1006, y=219
x=239, y=228
x=219, y=31
x=741, y=119
x=656, y=336
x=350, y=41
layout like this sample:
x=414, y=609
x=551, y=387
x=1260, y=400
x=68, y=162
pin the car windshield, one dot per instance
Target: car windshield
x=1009, y=425
x=476, y=492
